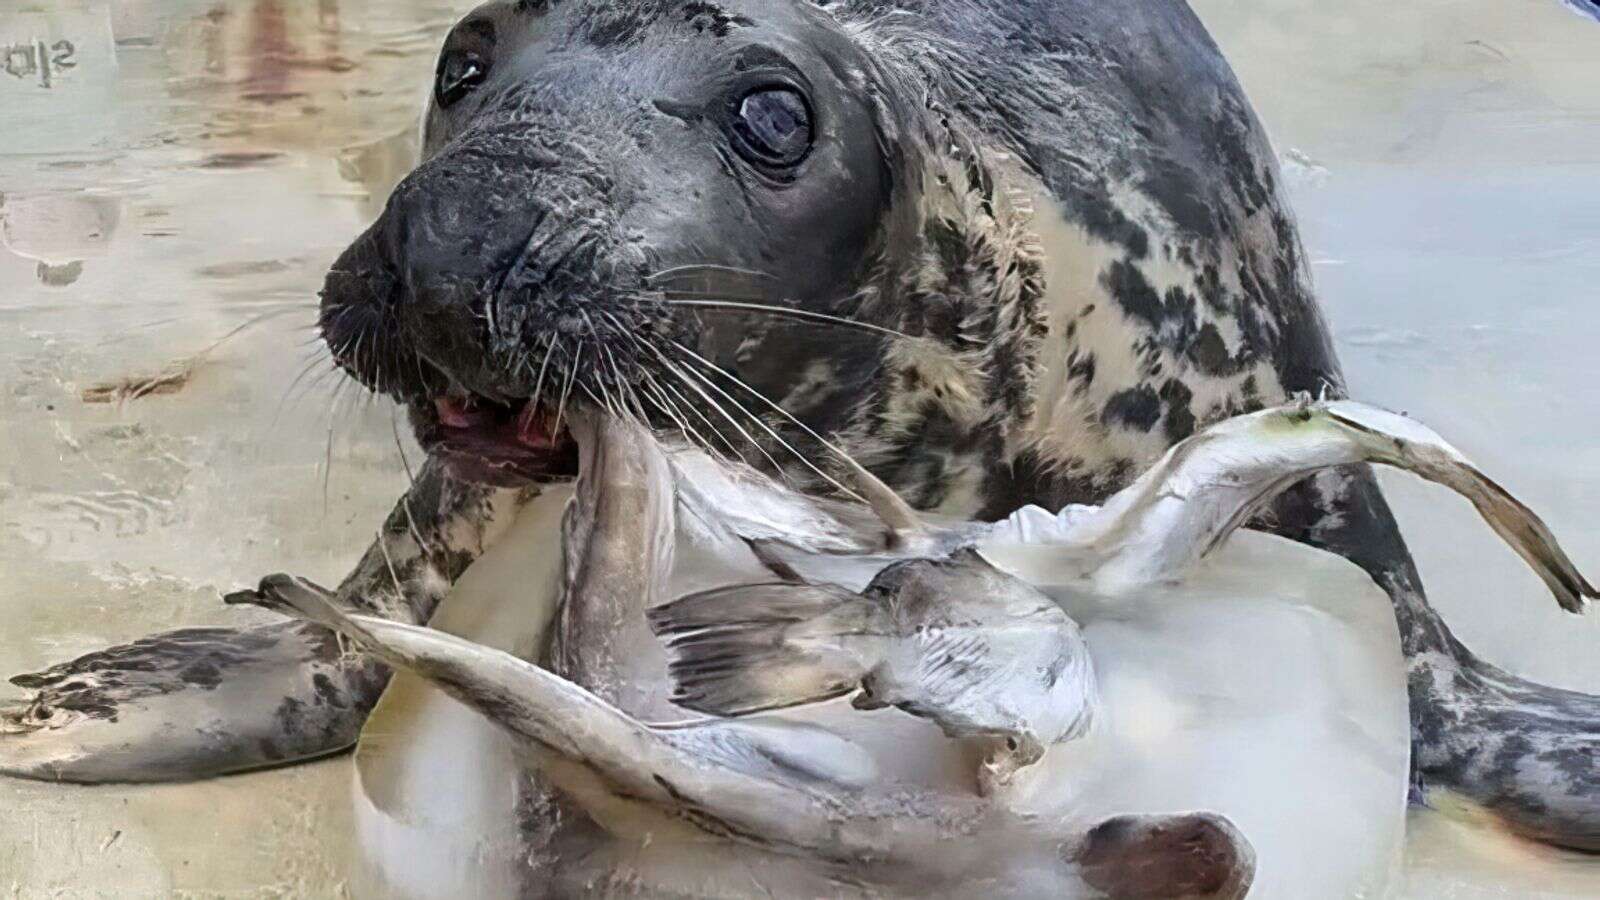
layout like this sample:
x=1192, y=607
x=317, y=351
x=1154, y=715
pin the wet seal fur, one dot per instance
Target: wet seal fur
x=1066, y=212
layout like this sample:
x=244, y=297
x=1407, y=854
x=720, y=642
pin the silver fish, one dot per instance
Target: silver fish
x=1206, y=487
x=813, y=797
x=983, y=654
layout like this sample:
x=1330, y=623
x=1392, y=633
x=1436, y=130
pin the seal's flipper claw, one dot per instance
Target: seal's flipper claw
x=188, y=704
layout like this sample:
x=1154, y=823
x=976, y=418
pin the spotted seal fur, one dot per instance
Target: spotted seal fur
x=1001, y=252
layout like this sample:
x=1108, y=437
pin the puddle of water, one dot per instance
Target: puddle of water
x=173, y=169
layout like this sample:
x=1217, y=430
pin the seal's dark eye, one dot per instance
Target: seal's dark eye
x=772, y=126
x=458, y=75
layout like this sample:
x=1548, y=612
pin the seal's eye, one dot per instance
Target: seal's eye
x=772, y=127
x=458, y=75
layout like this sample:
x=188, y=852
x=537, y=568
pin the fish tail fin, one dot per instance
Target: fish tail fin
x=1405, y=444
x=735, y=651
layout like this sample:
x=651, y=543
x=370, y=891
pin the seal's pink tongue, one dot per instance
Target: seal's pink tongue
x=528, y=426
x=454, y=413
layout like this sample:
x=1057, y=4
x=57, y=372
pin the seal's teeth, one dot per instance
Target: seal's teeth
x=534, y=426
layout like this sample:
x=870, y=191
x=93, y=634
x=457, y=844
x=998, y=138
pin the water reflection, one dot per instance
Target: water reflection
x=59, y=231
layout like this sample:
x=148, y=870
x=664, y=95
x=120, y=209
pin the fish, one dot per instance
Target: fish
x=983, y=654
x=799, y=791
x=1186, y=505
x=1207, y=487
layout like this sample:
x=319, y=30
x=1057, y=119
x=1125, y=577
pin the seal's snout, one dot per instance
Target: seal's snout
x=495, y=290
x=509, y=245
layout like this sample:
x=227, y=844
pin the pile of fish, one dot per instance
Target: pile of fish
x=969, y=680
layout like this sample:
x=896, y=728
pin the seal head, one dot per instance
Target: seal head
x=598, y=179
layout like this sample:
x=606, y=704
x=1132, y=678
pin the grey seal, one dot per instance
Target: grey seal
x=1000, y=252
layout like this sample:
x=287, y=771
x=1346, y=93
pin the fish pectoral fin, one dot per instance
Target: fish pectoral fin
x=740, y=650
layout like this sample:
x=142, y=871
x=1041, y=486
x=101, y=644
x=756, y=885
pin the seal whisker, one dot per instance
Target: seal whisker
x=315, y=359
x=700, y=301
x=538, y=385
x=661, y=388
x=864, y=477
x=722, y=438
x=394, y=428
x=683, y=376
x=572, y=374
x=327, y=459
x=662, y=403
x=771, y=432
x=616, y=374
x=689, y=271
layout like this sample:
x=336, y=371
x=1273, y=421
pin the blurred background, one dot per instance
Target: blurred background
x=172, y=171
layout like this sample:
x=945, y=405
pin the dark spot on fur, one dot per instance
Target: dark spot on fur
x=88, y=703
x=1138, y=408
x=1089, y=206
x=1080, y=369
x=327, y=693
x=1177, y=191
x=1209, y=354
x=708, y=17
x=1175, y=396
x=289, y=718
x=1127, y=284
x=202, y=674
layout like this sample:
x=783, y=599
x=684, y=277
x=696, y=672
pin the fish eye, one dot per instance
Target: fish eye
x=458, y=75
x=1011, y=744
x=772, y=127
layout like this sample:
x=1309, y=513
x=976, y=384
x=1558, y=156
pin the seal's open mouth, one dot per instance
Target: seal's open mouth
x=496, y=443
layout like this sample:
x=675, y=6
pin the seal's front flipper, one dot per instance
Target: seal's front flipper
x=213, y=701
x=190, y=704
